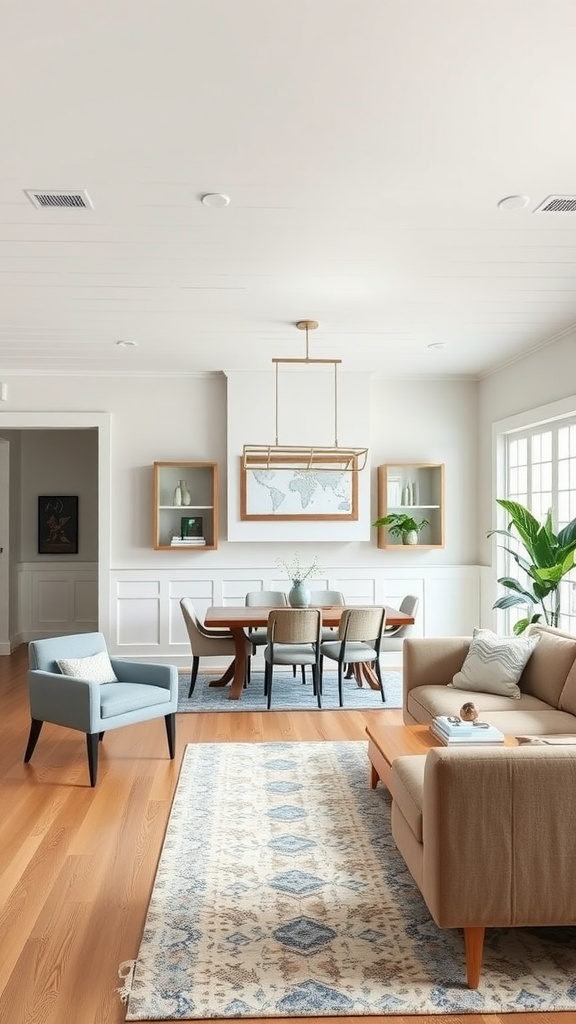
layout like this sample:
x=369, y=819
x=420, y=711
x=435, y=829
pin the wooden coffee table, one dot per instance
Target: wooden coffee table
x=391, y=738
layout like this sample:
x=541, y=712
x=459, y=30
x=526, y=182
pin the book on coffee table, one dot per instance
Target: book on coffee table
x=477, y=733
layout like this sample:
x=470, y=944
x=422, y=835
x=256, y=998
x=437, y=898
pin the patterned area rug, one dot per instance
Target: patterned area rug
x=288, y=694
x=280, y=893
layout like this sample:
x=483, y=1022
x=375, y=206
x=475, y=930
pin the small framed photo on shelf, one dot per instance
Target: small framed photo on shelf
x=58, y=524
x=191, y=526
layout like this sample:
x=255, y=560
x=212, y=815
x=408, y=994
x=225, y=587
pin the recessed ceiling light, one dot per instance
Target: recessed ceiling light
x=513, y=202
x=437, y=344
x=127, y=344
x=215, y=199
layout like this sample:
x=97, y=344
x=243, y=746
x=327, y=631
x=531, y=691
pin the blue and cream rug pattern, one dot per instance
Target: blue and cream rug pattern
x=280, y=892
x=288, y=694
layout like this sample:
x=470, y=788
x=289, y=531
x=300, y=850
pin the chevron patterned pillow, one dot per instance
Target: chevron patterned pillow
x=494, y=663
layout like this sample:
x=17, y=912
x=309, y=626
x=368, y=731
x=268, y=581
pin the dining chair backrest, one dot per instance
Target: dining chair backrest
x=193, y=625
x=408, y=605
x=263, y=598
x=326, y=597
x=360, y=625
x=294, y=626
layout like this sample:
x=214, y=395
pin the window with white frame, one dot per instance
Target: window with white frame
x=540, y=473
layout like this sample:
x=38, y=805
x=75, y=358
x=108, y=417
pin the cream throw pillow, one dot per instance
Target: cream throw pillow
x=97, y=668
x=494, y=663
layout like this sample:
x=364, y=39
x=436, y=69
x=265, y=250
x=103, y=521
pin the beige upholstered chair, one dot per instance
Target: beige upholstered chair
x=262, y=599
x=393, y=638
x=205, y=643
x=359, y=638
x=293, y=637
x=325, y=598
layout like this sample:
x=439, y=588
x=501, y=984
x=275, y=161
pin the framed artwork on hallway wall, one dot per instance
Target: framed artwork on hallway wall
x=58, y=524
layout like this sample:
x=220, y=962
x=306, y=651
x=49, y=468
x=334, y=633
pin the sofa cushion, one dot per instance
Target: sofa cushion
x=426, y=702
x=408, y=787
x=494, y=663
x=567, y=699
x=549, y=666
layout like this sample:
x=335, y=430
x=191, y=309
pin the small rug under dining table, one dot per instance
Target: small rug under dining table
x=288, y=694
x=280, y=893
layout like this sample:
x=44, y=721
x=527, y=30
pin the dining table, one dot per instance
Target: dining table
x=240, y=618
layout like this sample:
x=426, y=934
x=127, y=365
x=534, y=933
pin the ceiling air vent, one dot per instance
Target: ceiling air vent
x=557, y=204
x=57, y=199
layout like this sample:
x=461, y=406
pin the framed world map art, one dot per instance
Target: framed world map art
x=290, y=493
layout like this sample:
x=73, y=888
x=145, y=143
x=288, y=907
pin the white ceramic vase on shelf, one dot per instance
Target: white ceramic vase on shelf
x=178, y=493
x=186, y=496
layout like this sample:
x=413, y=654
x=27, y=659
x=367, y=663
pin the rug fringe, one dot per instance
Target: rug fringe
x=126, y=971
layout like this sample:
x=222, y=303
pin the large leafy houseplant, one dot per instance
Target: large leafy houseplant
x=545, y=559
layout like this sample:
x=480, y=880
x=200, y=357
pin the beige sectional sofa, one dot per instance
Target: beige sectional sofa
x=488, y=833
x=547, y=685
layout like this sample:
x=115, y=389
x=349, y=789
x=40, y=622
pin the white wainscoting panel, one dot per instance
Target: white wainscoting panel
x=56, y=601
x=147, y=621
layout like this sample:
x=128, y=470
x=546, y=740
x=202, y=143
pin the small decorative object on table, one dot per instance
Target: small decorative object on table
x=299, y=595
x=452, y=730
x=468, y=712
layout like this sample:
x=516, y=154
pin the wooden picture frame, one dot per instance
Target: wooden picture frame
x=288, y=492
x=58, y=524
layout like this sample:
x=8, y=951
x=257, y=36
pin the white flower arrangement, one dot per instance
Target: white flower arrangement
x=298, y=572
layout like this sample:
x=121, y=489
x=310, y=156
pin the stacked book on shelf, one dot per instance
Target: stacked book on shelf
x=453, y=731
x=187, y=542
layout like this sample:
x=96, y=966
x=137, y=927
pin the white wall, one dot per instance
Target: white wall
x=540, y=378
x=544, y=376
x=157, y=419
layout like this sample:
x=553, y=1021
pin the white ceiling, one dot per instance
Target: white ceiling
x=364, y=144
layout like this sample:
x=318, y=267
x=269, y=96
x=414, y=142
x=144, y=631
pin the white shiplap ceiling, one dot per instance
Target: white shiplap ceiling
x=364, y=145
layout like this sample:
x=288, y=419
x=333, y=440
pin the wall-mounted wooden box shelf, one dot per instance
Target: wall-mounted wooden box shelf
x=202, y=482
x=416, y=488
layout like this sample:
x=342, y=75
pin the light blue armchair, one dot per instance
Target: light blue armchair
x=141, y=691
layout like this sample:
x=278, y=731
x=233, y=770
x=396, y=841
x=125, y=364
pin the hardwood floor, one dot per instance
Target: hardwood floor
x=77, y=864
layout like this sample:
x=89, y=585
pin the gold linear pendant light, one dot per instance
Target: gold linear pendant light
x=335, y=458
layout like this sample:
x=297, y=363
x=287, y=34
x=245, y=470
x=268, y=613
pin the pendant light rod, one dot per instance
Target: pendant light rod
x=307, y=325
x=265, y=456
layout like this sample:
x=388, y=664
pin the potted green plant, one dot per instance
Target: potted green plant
x=545, y=559
x=399, y=524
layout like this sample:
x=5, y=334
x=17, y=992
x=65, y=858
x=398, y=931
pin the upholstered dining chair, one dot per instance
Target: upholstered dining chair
x=293, y=638
x=262, y=599
x=325, y=598
x=393, y=637
x=205, y=643
x=359, y=639
x=73, y=682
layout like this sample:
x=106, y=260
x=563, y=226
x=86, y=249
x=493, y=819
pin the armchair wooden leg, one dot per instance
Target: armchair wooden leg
x=474, y=942
x=171, y=733
x=194, y=674
x=35, y=727
x=92, y=741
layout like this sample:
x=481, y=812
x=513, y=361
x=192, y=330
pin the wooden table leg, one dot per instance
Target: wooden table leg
x=224, y=679
x=363, y=671
x=239, y=664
